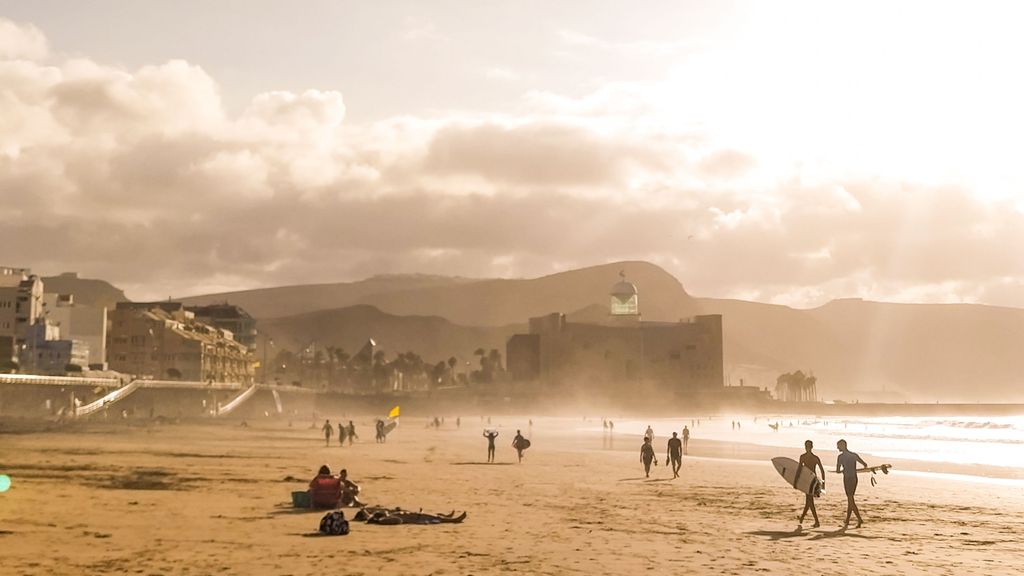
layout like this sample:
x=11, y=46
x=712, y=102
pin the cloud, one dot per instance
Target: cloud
x=537, y=154
x=141, y=177
x=21, y=41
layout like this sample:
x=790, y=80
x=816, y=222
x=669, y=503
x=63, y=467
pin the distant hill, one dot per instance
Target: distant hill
x=432, y=337
x=290, y=300
x=88, y=292
x=858, y=350
x=870, y=350
x=494, y=302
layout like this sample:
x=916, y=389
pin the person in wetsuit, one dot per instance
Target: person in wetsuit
x=519, y=443
x=490, y=435
x=847, y=463
x=328, y=431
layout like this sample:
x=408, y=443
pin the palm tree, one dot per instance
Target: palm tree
x=452, y=362
x=796, y=387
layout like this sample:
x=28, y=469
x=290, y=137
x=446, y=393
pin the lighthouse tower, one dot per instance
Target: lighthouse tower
x=625, y=303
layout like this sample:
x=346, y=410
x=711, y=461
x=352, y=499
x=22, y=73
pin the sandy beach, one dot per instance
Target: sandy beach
x=206, y=498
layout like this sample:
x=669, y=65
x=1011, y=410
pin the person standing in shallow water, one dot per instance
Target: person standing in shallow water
x=647, y=456
x=847, y=463
x=809, y=460
x=675, y=454
x=490, y=435
x=328, y=431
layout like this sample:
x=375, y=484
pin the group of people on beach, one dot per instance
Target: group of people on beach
x=677, y=447
x=344, y=431
x=520, y=443
x=329, y=491
x=845, y=464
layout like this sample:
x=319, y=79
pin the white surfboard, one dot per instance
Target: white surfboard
x=800, y=477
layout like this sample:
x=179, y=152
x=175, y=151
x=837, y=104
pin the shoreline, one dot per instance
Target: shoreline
x=724, y=449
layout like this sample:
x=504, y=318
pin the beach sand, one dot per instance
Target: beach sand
x=214, y=498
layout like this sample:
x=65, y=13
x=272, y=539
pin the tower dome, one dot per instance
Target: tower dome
x=624, y=298
x=624, y=289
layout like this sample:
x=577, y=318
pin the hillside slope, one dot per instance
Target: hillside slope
x=290, y=300
x=432, y=337
x=872, y=350
x=88, y=292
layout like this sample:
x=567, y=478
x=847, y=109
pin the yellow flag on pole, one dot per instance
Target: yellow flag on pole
x=393, y=413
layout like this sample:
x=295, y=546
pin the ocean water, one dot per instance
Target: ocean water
x=980, y=440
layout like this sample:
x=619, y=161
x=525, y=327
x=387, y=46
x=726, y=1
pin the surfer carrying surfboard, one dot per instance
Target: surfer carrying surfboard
x=847, y=463
x=520, y=444
x=490, y=435
x=809, y=460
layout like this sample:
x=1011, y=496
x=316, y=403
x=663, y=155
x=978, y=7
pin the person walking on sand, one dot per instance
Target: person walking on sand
x=647, y=456
x=351, y=432
x=341, y=433
x=520, y=443
x=649, y=433
x=328, y=431
x=675, y=454
x=847, y=463
x=490, y=435
x=686, y=440
x=809, y=460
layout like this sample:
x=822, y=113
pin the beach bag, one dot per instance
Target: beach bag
x=334, y=524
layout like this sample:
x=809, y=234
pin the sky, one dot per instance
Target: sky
x=783, y=152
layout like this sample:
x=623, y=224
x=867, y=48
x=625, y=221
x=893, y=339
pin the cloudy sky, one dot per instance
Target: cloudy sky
x=781, y=152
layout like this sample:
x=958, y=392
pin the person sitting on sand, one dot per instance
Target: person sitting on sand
x=847, y=463
x=328, y=430
x=324, y=489
x=675, y=454
x=349, y=490
x=647, y=456
x=809, y=460
x=490, y=435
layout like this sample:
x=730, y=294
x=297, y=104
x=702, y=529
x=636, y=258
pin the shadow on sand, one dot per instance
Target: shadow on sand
x=799, y=532
x=482, y=463
x=840, y=533
x=779, y=534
